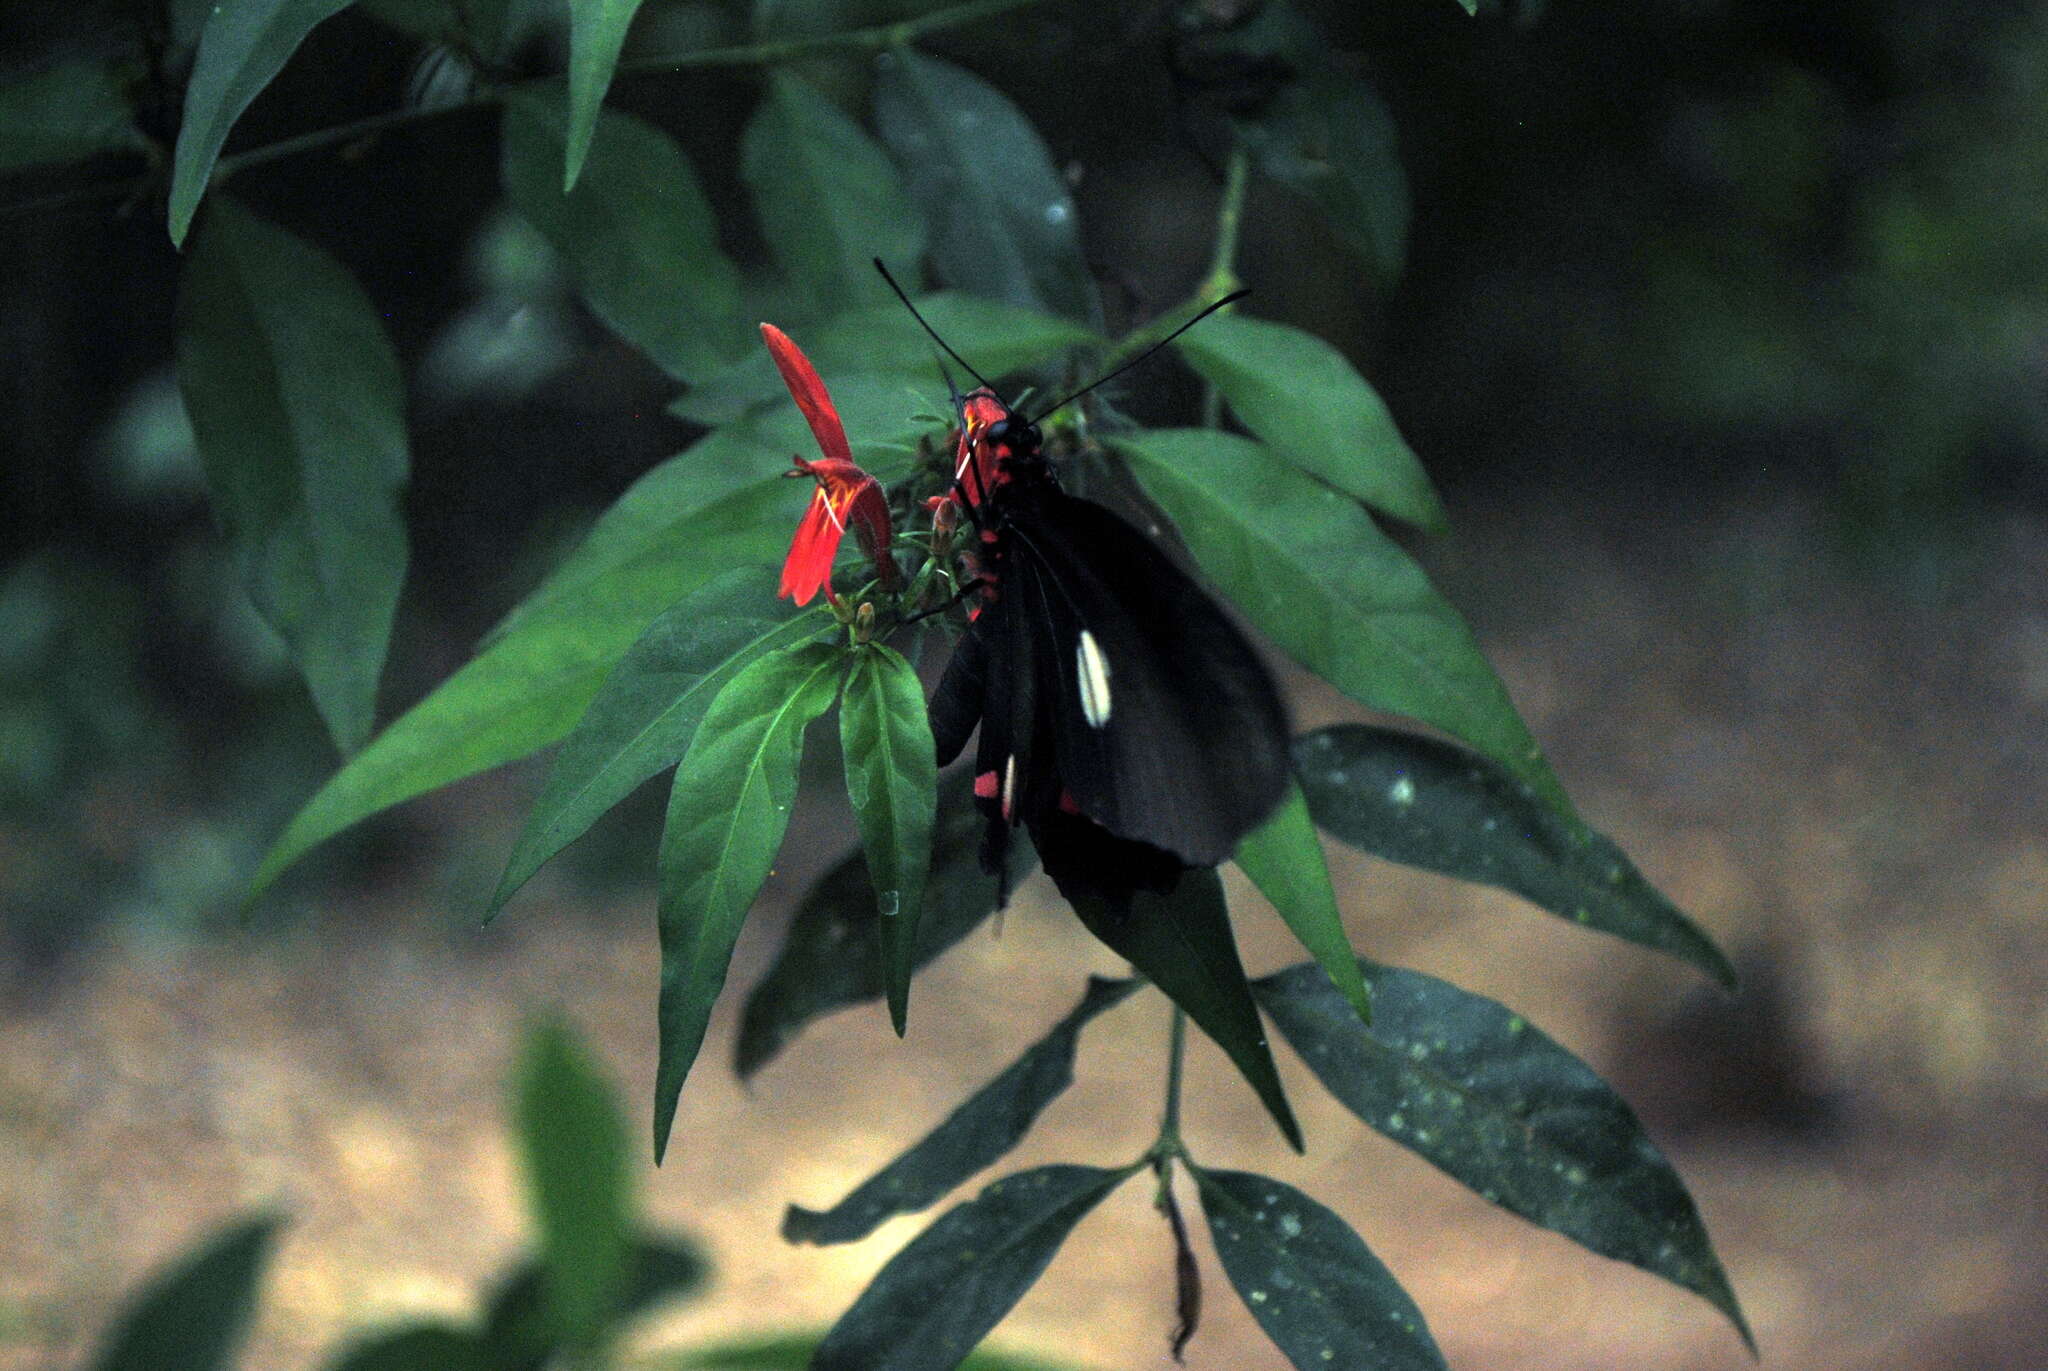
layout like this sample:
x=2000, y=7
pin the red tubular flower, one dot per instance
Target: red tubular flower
x=845, y=492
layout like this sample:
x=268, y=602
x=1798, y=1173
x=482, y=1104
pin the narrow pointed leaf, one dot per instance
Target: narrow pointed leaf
x=892, y=781
x=1477, y=1091
x=1425, y=803
x=194, y=1313
x=62, y=113
x=1311, y=1282
x=828, y=198
x=597, y=30
x=421, y=1347
x=831, y=956
x=726, y=817
x=573, y=1144
x=985, y=1127
x=528, y=688
x=1284, y=859
x=939, y=1297
x=642, y=720
x=637, y=233
x=1001, y=220
x=1318, y=577
x=1181, y=942
x=885, y=341
x=241, y=48
x=1312, y=408
x=519, y=1333
x=298, y=411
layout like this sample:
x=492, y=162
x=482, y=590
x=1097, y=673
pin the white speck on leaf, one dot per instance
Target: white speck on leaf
x=1401, y=792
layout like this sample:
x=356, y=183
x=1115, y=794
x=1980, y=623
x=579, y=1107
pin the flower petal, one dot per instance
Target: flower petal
x=808, y=390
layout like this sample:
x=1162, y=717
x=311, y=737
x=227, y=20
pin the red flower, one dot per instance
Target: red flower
x=845, y=492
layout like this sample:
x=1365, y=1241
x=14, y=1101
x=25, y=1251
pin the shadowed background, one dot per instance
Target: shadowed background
x=1722, y=329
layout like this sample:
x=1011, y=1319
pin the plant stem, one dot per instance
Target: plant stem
x=1223, y=278
x=874, y=38
x=1176, y=1053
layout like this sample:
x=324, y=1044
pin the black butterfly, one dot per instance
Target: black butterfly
x=1125, y=721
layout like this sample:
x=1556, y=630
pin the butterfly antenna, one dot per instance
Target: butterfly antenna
x=1206, y=311
x=927, y=327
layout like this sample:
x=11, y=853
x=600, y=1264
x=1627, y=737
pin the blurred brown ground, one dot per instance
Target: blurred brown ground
x=1844, y=789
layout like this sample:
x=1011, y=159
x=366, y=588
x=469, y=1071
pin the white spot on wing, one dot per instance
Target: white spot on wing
x=1094, y=673
x=1010, y=787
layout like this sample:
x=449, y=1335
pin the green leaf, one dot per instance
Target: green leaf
x=1422, y=802
x=884, y=341
x=519, y=1333
x=1181, y=942
x=985, y=1127
x=1001, y=220
x=1311, y=1282
x=1312, y=408
x=642, y=720
x=241, y=48
x=1318, y=577
x=530, y=686
x=1476, y=1091
x=1328, y=137
x=193, y=1314
x=597, y=30
x=62, y=113
x=1284, y=859
x=831, y=957
x=726, y=818
x=952, y=1283
x=573, y=1144
x=829, y=199
x=637, y=233
x=892, y=782
x=419, y=1347
x=297, y=407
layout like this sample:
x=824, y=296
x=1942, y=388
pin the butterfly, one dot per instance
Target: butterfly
x=1125, y=722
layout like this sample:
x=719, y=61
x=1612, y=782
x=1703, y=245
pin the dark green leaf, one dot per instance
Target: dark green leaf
x=1001, y=221
x=193, y=1314
x=65, y=112
x=1476, y=1091
x=892, y=780
x=886, y=341
x=298, y=411
x=519, y=1332
x=726, y=818
x=1311, y=1282
x=1284, y=859
x=829, y=199
x=1181, y=942
x=531, y=685
x=1312, y=408
x=241, y=48
x=1424, y=803
x=597, y=30
x=985, y=1126
x=421, y=1347
x=643, y=719
x=952, y=1283
x=636, y=232
x=1317, y=576
x=831, y=956
x=1327, y=136
x=573, y=1143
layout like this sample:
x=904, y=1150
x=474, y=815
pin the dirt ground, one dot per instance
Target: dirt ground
x=1844, y=787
